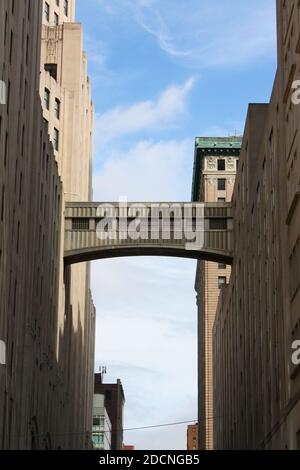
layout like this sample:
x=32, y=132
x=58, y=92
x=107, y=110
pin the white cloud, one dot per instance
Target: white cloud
x=146, y=335
x=148, y=171
x=146, y=312
x=144, y=116
x=146, y=315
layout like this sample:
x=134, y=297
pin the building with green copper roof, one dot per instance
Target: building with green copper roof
x=212, y=146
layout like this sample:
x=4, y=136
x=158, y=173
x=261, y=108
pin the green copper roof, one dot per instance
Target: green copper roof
x=218, y=142
x=218, y=146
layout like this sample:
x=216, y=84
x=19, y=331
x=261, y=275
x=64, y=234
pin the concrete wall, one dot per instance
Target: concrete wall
x=257, y=388
x=30, y=211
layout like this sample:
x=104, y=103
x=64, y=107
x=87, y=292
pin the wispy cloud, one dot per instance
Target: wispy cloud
x=97, y=53
x=204, y=33
x=145, y=115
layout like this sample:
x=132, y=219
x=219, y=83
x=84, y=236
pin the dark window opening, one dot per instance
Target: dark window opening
x=218, y=224
x=221, y=165
x=52, y=70
x=221, y=184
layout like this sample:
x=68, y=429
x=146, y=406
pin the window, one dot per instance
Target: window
x=96, y=421
x=47, y=11
x=47, y=98
x=11, y=46
x=80, y=224
x=221, y=266
x=57, y=108
x=56, y=19
x=98, y=439
x=217, y=224
x=56, y=139
x=66, y=7
x=221, y=184
x=298, y=440
x=222, y=281
x=221, y=199
x=2, y=202
x=52, y=69
x=221, y=165
x=57, y=3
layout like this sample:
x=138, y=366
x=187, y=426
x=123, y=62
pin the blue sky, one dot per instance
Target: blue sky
x=163, y=72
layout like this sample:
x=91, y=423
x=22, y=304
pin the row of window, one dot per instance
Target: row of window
x=47, y=97
x=56, y=17
x=84, y=224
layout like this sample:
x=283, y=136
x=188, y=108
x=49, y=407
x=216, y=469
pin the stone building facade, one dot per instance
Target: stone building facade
x=192, y=437
x=30, y=217
x=256, y=384
x=67, y=107
x=46, y=386
x=215, y=166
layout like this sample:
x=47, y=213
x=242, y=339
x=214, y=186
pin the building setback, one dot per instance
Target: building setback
x=256, y=385
x=67, y=107
x=114, y=405
x=216, y=160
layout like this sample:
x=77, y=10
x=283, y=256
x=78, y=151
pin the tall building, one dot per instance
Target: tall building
x=30, y=217
x=114, y=404
x=68, y=110
x=192, y=437
x=216, y=160
x=47, y=314
x=257, y=385
x=102, y=429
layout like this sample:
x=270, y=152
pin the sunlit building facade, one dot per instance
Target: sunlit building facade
x=216, y=161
